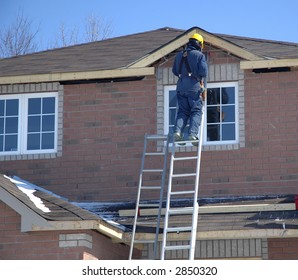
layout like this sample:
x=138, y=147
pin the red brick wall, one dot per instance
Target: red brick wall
x=104, y=126
x=283, y=249
x=268, y=163
x=15, y=245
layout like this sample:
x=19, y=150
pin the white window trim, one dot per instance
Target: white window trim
x=167, y=88
x=23, y=123
x=166, y=107
x=236, y=141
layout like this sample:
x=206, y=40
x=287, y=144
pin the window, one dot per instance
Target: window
x=9, y=124
x=222, y=113
x=221, y=118
x=28, y=124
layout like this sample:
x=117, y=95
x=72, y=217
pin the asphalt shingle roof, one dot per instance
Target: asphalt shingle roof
x=59, y=208
x=122, y=51
x=101, y=55
x=265, y=48
x=62, y=210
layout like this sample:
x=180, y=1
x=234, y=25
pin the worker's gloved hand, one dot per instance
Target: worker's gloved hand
x=203, y=92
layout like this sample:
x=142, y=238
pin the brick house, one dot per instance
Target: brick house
x=73, y=121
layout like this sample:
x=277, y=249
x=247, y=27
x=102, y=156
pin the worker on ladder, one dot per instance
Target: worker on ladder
x=191, y=67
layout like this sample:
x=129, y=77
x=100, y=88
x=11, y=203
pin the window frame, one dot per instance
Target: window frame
x=235, y=84
x=226, y=142
x=23, y=123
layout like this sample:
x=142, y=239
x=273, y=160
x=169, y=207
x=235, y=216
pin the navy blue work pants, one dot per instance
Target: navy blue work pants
x=190, y=108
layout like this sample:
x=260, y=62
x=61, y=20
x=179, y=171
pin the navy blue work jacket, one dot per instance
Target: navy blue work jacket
x=198, y=67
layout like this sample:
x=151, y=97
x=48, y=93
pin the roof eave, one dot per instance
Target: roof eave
x=219, y=234
x=32, y=221
x=98, y=225
x=268, y=63
x=29, y=218
x=77, y=76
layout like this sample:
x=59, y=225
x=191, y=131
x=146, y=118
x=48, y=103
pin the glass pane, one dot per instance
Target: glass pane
x=1, y=143
x=228, y=95
x=213, y=114
x=172, y=116
x=48, y=123
x=1, y=125
x=34, y=106
x=11, y=125
x=2, y=108
x=48, y=105
x=172, y=98
x=228, y=132
x=47, y=141
x=34, y=124
x=213, y=96
x=228, y=113
x=11, y=143
x=12, y=107
x=33, y=142
x=213, y=132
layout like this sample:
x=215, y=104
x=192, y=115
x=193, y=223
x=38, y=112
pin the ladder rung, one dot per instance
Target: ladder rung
x=182, y=192
x=152, y=170
x=187, y=141
x=156, y=137
x=184, y=210
x=151, y=187
x=177, y=247
x=185, y=158
x=178, y=229
x=149, y=205
x=143, y=241
x=194, y=141
x=144, y=223
x=155, y=154
x=184, y=175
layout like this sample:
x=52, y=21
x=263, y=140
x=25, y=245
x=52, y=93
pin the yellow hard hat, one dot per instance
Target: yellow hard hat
x=198, y=37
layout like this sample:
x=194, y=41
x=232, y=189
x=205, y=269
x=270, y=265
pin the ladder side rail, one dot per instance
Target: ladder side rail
x=197, y=180
x=138, y=199
x=166, y=218
x=161, y=196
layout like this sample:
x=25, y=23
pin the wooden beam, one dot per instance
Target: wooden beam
x=218, y=234
x=115, y=234
x=109, y=230
x=219, y=209
x=247, y=208
x=99, y=225
x=67, y=225
x=268, y=63
x=217, y=41
x=72, y=76
x=180, y=41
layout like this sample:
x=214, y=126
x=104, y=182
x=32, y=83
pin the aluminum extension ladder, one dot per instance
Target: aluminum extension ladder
x=172, y=212
x=143, y=188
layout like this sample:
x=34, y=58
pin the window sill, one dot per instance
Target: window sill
x=30, y=156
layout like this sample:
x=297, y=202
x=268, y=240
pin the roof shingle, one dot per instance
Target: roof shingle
x=120, y=52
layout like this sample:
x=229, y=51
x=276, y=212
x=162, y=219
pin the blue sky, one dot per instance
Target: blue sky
x=276, y=20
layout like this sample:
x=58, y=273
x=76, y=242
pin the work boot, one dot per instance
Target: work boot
x=178, y=138
x=194, y=140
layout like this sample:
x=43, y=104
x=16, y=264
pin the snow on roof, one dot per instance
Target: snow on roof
x=29, y=190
